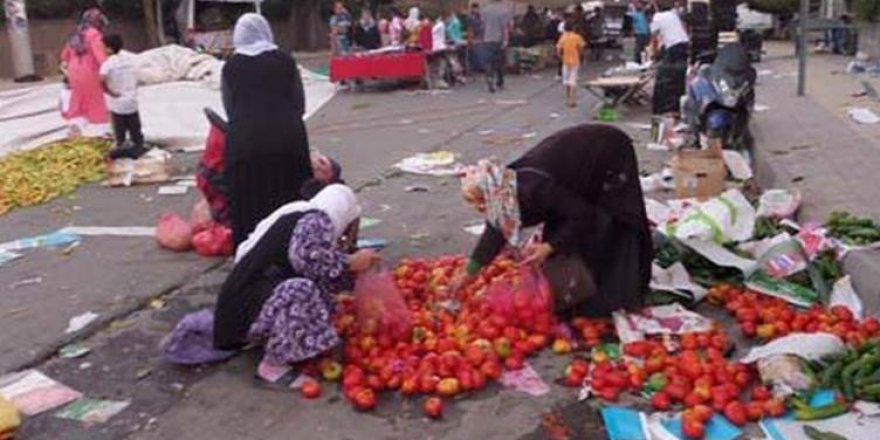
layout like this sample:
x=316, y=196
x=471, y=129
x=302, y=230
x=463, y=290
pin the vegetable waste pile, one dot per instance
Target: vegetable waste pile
x=415, y=340
x=32, y=177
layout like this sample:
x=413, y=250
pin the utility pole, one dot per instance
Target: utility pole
x=802, y=45
x=19, y=41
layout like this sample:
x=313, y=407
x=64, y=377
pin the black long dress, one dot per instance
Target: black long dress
x=267, y=156
x=252, y=282
x=583, y=184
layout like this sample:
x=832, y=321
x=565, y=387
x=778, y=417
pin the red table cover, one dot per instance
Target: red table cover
x=379, y=66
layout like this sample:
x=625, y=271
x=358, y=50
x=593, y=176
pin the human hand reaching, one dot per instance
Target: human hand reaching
x=535, y=254
x=362, y=260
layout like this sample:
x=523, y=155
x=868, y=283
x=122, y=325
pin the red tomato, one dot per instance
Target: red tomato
x=310, y=389
x=774, y=407
x=364, y=399
x=433, y=407
x=702, y=413
x=693, y=429
x=736, y=413
x=755, y=410
x=761, y=393
x=660, y=401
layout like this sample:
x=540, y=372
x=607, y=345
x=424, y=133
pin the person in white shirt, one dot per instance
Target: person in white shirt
x=119, y=79
x=668, y=33
x=438, y=35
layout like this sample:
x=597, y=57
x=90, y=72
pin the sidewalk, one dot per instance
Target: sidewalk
x=809, y=143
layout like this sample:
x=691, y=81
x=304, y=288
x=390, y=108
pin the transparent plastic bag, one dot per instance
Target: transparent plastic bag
x=379, y=305
x=213, y=241
x=174, y=233
x=200, y=217
x=521, y=298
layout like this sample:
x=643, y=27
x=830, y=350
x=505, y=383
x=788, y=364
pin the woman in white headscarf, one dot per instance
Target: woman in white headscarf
x=281, y=291
x=413, y=24
x=267, y=158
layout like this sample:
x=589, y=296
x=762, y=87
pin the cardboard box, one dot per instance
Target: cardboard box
x=699, y=174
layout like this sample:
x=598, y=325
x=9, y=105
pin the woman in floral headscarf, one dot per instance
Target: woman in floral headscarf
x=81, y=59
x=582, y=184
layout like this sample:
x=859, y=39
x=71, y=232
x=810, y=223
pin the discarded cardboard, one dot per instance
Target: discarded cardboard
x=698, y=174
x=92, y=411
x=32, y=392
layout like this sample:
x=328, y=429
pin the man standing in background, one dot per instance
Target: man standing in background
x=497, y=20
x=640, y=28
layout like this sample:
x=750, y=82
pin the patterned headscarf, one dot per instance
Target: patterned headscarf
x=495, y=186
x=91, y=18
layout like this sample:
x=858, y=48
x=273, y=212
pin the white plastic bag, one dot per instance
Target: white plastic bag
x=810, y=346
x=844, y=294
x=780, y=203
x=728, y=217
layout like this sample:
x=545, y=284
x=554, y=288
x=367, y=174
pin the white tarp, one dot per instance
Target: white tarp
x=181, y=83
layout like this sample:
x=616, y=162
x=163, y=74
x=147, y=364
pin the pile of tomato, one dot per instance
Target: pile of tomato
x=767, y=318
x=453, y=347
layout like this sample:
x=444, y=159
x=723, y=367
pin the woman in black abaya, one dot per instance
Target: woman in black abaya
x=268, y=148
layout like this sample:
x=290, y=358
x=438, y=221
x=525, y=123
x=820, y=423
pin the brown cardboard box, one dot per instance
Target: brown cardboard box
x=699, y=174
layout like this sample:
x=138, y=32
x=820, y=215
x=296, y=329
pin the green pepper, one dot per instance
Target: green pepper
x=832, y=372
x=656, y=382
x=815, y=434
x=822, y=412
x=847, y=379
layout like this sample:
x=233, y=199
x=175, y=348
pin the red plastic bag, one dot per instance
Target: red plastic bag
x=200, y=217
x=379, y=305
x=525, y=299
x=214, y=241
x=174, y=233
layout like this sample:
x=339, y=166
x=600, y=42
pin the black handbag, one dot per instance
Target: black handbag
x=571, y=281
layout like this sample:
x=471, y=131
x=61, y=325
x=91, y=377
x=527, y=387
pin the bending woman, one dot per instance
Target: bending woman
x=281, y=291
x=582, y=184
x=267, y=158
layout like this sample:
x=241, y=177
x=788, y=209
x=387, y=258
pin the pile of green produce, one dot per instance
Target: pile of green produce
x=851, y=229
x=32, y=177
x=701, y=270
x=855, y=373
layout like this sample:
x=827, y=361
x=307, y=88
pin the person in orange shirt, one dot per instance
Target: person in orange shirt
x=570, y=46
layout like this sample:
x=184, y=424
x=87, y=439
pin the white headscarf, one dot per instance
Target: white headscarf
x=338, y=201
x=252, y=35
x=412, y=22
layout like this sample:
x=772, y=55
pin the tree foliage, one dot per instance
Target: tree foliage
x=868, y=10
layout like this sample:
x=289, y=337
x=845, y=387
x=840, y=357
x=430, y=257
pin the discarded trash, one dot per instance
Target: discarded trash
x=7, y=256
x=475, y=229
x=624, y=423
x=438, y=163
x=172, y=190
x=526, y=380
x=92, y=411
x=10, y=419
x=173, y=232
x=863, y=115
x=368, y=222
x=32, y=392
x=813, y=346
x=152, y=167
x=511, y=102
x=675, y=279
x=417, y=188
x=55, y=239
x=372, y=243
x=26, y=282
x=554, y=115
x=530, y=135
x=672, y=319
x=760, y=108
x=486, y=132
x=779, y=203
x=765, y=72
x=85, y=365
x=639, y=126
x=73, y=351
x=844, y=294
x=80, y=322
x=653, y=146
x=419, y=236
x=737, y=165
x=143, y=373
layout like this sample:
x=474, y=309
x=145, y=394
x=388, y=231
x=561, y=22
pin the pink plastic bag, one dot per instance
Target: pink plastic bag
x=200, y=217
x=379, y=305
x=521, y=298
x=214, y=241
x=174, y=233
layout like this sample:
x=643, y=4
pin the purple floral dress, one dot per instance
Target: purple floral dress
x=296, y=324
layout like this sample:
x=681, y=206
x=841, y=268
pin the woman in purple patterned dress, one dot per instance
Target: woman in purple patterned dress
x=281, y=291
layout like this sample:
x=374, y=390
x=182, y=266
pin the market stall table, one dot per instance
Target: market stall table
x=385, y=66
x=616, y=90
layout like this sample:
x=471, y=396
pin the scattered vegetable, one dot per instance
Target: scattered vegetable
x=853, y=230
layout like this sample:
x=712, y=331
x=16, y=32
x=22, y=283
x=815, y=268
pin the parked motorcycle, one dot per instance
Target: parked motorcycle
x=721, y=97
